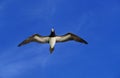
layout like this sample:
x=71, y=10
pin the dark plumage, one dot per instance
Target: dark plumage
x=52, y=39
x=70, y=36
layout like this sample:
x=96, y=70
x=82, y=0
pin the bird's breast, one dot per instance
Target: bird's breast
x=52, y=42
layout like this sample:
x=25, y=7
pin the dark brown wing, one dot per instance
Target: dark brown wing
x=35, y=38
x=70, y=36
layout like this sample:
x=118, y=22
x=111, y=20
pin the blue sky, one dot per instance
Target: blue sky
x=97, y=21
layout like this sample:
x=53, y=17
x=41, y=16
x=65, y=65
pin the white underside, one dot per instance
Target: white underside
x=63, y=38
x=41, y=39
x=52, y=42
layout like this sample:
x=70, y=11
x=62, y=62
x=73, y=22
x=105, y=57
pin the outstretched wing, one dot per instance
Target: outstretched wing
x=35, y=38
x=70, y=36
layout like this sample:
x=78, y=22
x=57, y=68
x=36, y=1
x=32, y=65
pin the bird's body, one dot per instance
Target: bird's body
x=52, y=42
x=52, y=39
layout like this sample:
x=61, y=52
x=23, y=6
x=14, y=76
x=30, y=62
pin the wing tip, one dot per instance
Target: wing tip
x=19, y=45
x=86, y=42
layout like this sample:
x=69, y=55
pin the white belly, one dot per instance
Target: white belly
x=52, y=42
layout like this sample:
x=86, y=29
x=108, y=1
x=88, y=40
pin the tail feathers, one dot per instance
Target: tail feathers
x=51, y=50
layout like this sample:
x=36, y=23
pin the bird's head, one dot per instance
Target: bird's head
x=52, y=34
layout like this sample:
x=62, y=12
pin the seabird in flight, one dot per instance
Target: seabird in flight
x=52, y=39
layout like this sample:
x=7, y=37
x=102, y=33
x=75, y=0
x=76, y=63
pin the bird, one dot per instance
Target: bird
x=52, y=39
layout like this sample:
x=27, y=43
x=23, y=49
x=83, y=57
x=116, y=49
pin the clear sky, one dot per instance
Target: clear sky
x=97, y=21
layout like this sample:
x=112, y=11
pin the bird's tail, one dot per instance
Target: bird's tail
x=51, y=50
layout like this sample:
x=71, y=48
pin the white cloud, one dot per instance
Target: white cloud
x=14, y=62
x=78, y=24
x=43, y=10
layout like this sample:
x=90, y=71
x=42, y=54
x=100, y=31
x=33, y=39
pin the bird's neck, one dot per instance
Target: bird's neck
x=52, y=34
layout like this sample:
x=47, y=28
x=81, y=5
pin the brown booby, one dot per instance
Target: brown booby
x=52, y=39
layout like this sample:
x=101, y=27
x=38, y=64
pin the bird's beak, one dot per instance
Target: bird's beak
x=52, y=30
